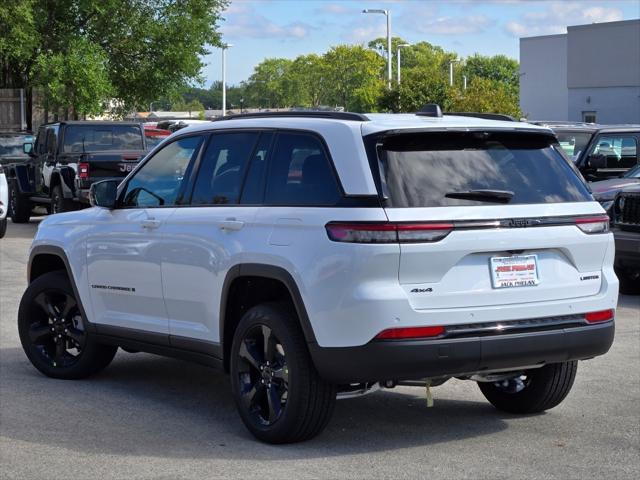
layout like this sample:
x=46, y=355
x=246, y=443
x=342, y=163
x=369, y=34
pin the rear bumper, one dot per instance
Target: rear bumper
x=404, y=360
x=627, y=249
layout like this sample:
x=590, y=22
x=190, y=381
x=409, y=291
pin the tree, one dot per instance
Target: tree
x=418, y=87
x=353, y=77
x=136, y=50
x=266, y=87
x=499, y=68
x=305, y=81
x=487, y=96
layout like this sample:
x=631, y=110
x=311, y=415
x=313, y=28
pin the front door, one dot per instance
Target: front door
x=125, y=248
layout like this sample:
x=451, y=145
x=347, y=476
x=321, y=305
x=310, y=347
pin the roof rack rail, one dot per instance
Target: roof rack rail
x=430, y=110
x=358, y=117
x=486, y=116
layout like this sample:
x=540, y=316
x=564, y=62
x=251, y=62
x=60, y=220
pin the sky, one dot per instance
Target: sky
x=260, y=29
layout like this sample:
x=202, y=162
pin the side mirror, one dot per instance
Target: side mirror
x=104, y=194
x=597, y=161
x=27, y=147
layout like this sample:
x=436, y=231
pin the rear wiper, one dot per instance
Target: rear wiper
x=483, y=195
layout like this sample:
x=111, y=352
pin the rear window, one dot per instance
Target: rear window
x=427, y=169
x=100, y=138
x=573, y=143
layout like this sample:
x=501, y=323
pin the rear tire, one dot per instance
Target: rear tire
x=3, y=227
x=19, y=205
x=278, y=392
x=53, y=333
x=544, y=388
x=59, y=204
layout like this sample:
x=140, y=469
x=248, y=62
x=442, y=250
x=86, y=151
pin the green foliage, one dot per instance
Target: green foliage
x=77, y=78
x=487, y=96
x=499, y=68
x=136, y=51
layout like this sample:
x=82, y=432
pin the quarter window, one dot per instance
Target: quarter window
x=159, y=182
x=222, y=169
x=300, y=173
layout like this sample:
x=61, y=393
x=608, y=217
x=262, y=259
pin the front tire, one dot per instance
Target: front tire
x=19, y=205
x=3, y=227
x=535, y=391
x=278, y=392
x=53, y=331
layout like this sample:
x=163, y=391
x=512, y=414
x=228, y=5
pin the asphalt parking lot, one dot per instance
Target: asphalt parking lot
x=150, y=417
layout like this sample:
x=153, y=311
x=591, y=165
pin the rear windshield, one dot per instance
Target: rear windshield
x=573, y=143
x=100, y=138
x=427, y=169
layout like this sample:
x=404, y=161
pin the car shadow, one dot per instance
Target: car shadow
x=144, y=405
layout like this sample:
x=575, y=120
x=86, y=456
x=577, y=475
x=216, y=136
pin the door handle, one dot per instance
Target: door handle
x=150, y=223
x=231, y=224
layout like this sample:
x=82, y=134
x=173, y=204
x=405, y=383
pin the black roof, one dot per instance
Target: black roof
x=297, y=113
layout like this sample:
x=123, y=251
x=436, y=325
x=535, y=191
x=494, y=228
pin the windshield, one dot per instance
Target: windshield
x=443, y=169
x=99, y=138
x=12, y=145
x=573, y=143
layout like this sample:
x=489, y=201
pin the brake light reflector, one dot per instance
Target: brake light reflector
x=601, y=316
x=83, y=171
x=410, y=332
x=595, y=224
x=387, y=232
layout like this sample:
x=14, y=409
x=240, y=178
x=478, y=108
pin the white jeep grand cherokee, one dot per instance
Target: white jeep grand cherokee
x=314, y=255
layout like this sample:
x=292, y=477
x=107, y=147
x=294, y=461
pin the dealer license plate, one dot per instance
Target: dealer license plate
x=516, y=271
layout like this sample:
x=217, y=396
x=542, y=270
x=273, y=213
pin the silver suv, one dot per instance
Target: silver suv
x=320, y=255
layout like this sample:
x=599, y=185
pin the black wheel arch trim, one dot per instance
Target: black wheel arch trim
x=61, y=254
x=271, y=272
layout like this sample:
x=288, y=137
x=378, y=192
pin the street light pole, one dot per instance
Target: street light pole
x=451, y=62
x=224, y=47
x=400, y=47
x=386, y=13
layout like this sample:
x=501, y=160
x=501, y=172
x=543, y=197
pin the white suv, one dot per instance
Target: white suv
x=315, y=255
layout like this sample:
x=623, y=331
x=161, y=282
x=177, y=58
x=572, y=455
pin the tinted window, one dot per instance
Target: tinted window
x=573, y=143
x=98, y=138
x=619, y=151
x=420, y=170
x=158, y=183
x=253, y=189
x=222, y=168
x=300, y=173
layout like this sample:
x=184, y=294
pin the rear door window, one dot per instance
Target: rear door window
x=300, y=172
x=440, y=169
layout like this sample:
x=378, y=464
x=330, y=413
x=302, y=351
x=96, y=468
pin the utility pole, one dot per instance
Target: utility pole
x=224, y=47
x=400, y=47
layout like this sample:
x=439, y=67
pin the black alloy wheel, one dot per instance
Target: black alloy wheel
x=280, y=396
x=56, y=333
x=263, y=375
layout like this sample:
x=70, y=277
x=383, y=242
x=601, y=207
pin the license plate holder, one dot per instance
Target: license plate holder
x=514, y=271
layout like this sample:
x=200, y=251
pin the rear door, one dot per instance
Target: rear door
x=507, y=209
x=204, y=239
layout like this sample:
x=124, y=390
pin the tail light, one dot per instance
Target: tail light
x=407, y=333
x=387, y=232
x=600, y=316
x=83, y=171
x=596, y=224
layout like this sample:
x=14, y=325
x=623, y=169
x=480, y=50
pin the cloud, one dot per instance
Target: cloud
x=558, y=15
x=333, y=8
x=241, y=20
x=426, y=19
